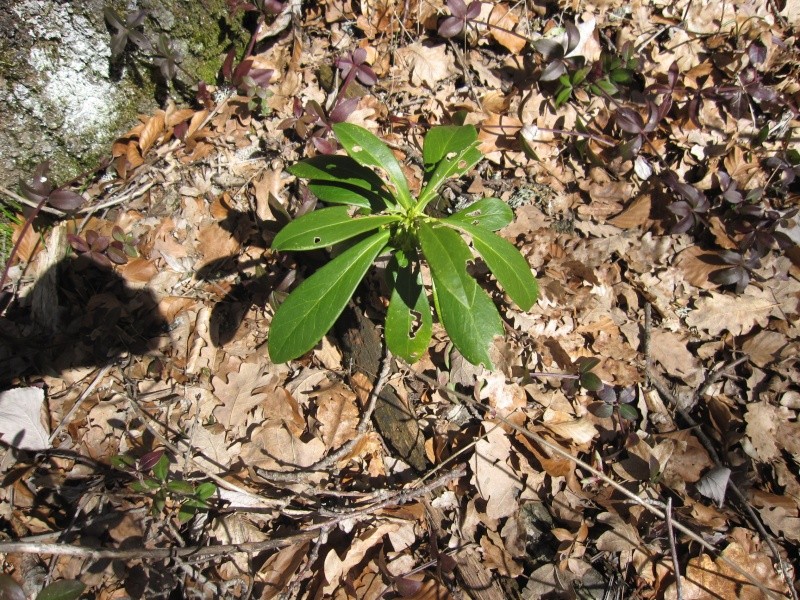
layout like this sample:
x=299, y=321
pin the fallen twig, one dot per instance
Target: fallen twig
x=459, y=398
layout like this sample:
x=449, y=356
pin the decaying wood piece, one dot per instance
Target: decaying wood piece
x=362, y=342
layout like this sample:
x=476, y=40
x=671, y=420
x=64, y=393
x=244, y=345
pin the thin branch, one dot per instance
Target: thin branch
x=94, y=553
x=211, y=551
x=659, y=384
x=175, y=449
x=459, y=398
x=344, y=450
x=674, y=551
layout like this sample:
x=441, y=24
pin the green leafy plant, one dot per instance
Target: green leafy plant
x=191, y=498
x=376, y=214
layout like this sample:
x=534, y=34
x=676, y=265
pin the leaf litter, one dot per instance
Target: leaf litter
x=317, y=502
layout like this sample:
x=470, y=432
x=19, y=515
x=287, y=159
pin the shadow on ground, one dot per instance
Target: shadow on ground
x=78, y=314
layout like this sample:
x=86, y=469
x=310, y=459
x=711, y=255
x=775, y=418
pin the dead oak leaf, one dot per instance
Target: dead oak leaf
x=737, y=314
x=706, y=578
x=492, y=476
x=428, y=64
x=241, y=393
x=273, y=447
x=337, y=414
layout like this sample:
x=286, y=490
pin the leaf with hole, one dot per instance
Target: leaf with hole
x=448, y=151
x=325, y=227
x=505, y=262
x=409, y=324
x=489, y=213
x=311, y=310
x=369, y=151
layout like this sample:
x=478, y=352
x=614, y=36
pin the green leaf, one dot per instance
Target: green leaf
x=340, y=193
x=205, y=490
x=591, y=382
x=409, y=323
x=606, y=86
x=179, y=486
x=586, y=363
x=196, y=503
x=489, y=213
x=161, y=468
x=447, y=151
x=325, y=227
x=505, y=262
x=122, y=461
x=186, y=513
x=369, y=151
x=580, y=75
x=66, y=589
x=621, y=76
x=628, y=412
x=341, y=180
x=563, y=96
x=468, y=314
x=311, y=310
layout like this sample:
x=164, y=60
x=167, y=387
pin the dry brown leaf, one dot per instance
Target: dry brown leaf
x=622, y=537
x=336, y=568
x=707, y=579
x=242, y=392
x=504, y=19
x=279, y=568
x=428, y=63
x=497, y=557
x=494, y=479
x=670, y=349
x=762, y=425
x=636, y=214
x=779, y=418
x=737, y=314
x=764, y=347
x=272, y=446
x=578, y=431
x=152, y=130
x=337, y=413
x=696, y=267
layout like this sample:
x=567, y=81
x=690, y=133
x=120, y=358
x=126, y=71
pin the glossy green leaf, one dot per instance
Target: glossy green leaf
x=489, y=213
x=342, y=180
x=325, y=227
x=369, y=151
x=339, y=193
x=468, y=314
x=186, y=513
x=311, y=310
x=447, y=151
x=590, y=381
x=66, y=589
x=563, y=96
x=586, y=363
x=409, y=323
x=505, y=262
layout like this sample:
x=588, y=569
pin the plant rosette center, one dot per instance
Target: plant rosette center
x=390, y=221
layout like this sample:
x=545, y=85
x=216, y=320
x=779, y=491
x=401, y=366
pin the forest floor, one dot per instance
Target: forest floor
x=641, y=420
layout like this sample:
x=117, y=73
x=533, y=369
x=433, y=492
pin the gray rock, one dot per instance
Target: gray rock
x=58, y=98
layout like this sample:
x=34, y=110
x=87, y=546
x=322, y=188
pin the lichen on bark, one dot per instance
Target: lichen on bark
x=62, y=101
